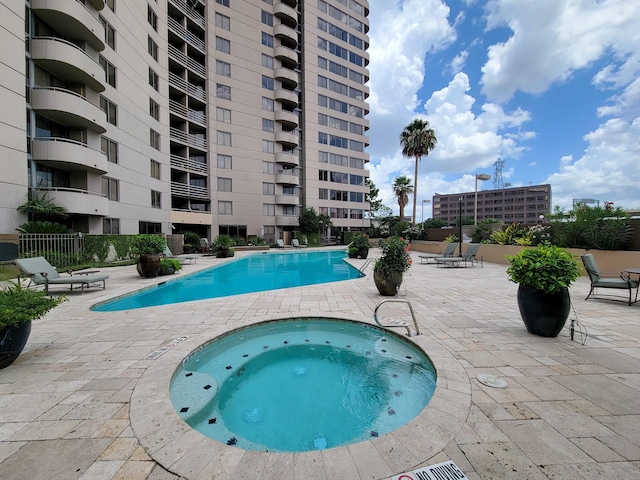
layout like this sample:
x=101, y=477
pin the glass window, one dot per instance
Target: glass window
x=267, y=39
x=225, y=208
x=152, y=18
x=154, y=109
x=268, y=146
x=224, y=138
x=109, y=70
x=155, y=169
x=154, y=139
x=223, y=2
x=224, y=161
x=111, y=109
x=268, y=210
x=223, y=22
x=223, y=45
x=267, y=82
x=223, y=115
x=269, y=168
x=224, y=184
x=111, y=4
x=267, y=18
x=109, y=33
x=223, y=68
x=268, y=125
x=152, y=48
x=268, y=188
x=110, y=149
x=223, y=91
x=154, y=79
x=111, y=226
x=267, y=104
x=110, y=188
x=267, y=61
x=155, y=199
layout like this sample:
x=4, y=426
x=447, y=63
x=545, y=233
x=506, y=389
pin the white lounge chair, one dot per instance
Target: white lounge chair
x=41, y=272
x=281, y=243
x=295, y=243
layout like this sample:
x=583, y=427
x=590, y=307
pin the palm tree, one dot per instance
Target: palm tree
x=402, y=188
x=417, y=139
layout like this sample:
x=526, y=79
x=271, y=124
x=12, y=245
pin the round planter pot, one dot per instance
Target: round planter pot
x=387, y=285
x=222, y=253
x=363, y=252
x=352, y=254
x=149, y=265
x=544, y=314
x=12, y=342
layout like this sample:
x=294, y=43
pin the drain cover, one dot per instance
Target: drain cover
x=491, y=380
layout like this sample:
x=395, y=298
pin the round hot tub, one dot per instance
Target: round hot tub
x=302, y=384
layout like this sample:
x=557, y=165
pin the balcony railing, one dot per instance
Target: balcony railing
x=195, y=91
x=190, y=191
x=188, y=138
x=187, y=164
x=190, y=12
x=186, y=35
x=189, y=62
x=191, y=114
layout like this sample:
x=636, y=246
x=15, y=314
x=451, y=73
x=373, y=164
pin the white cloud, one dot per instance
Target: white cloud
x=457, y=64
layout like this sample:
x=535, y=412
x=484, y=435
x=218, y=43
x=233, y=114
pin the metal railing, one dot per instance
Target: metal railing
x=192, y=89
x=186, y=35
x=187, y=164
x=60, y=250
x=186, y=60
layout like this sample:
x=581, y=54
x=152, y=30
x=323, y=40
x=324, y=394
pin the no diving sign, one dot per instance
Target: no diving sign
x=440, y=471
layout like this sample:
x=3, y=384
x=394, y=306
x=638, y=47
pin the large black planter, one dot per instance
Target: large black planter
x=12, y=342
x=387, y=285
x=544, y=314
x=149, y=265
x=363, y=252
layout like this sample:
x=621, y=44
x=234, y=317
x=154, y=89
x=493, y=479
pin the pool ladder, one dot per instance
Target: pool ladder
x=366, y=264
x=398, y=323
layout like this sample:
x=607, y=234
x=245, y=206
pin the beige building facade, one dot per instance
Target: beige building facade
x=225, y=116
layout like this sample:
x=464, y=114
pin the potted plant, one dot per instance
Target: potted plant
x=388, y=269
x=222, y=245
x=149, y=248
x=352, y=251
x=18, y=307
x=361, y=242
x=544, y=274
x=169, y=266
x=191, y=242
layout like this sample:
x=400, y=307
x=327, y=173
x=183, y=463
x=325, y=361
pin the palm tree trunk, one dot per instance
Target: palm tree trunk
x=415, y=191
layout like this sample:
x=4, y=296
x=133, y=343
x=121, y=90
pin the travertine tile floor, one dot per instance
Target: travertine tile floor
x=83, y=402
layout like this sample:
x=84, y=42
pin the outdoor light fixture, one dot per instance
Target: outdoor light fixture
x=460, y=224
x=483, y=177
x=422, y=214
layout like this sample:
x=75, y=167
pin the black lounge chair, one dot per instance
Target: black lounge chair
x=620, y=282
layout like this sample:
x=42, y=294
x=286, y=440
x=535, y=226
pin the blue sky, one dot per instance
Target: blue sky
x=551, y=87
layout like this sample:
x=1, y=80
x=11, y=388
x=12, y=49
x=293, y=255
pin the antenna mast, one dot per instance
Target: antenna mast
x=498, y=183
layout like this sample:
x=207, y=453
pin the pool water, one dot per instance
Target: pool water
x=302, y=384
x=253, y=273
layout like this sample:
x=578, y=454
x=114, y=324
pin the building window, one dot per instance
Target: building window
x=154, y=109
x=269, y=168
x=268, y=210
x=149, y=228
x=109, y=70
x=110, y=149
x=223, y=68
x=267, y=104
x=223, y=115
x=268, y=125
x=155, y=169
x=152, y=18
x=111, y=226
x=225, y=208
x=224, y=184
x=153, y=79
x=155, y=199
x=109, y=33
x=223, y=45
x=268, y=188
x=152, y=48
x=267, y=18
x=224, y=138
x=223, y=91
x=110, y=188
x=224, y=161
x=223, y=22
x=111, y=109
x=223, y=2
x=154, y=139
x=267, y=61
x=267, y=82
x=268, y=146
x=267, y=39
x=111, y=4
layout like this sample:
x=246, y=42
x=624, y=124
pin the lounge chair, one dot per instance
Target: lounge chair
x=181, y=258
x=621, y=282
x=447, y=252
x=295, y=243
x=281, y=243
x=41, y=272
x=469, y=256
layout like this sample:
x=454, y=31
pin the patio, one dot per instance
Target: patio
x=83, y=401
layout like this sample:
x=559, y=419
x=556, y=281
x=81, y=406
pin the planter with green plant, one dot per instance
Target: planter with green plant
x=222, y=245
x=388, y=269
x=361, y=242
x=148, y=248
x=19, y=306
x=169, y=266
x=544, y=274
x=352, y=252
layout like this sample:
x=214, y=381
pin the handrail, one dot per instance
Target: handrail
x=399, y=323
x=66, y=140
x=65, y=42
x=70, y=190
x=366, y=264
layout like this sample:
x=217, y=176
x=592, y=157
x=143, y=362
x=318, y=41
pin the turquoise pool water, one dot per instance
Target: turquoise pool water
x=302, y=384
x=253, y=273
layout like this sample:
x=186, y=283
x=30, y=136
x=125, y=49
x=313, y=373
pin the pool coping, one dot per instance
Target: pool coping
x=185, y=452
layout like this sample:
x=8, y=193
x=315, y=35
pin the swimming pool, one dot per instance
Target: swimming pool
x=253, y=273
x=302, y=384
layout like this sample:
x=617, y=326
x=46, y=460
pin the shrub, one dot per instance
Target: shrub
x=395, y=257
x=547, y=268
x=19, y=305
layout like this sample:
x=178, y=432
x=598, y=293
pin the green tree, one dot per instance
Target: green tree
x=43, y=215
x=375, y=204
x=417, y=139
x=310, y=222
x=402, y=188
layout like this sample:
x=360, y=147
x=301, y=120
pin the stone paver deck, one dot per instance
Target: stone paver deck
x=83, y=402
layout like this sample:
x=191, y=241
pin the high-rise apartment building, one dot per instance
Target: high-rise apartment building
x=522, y=205
x=218, y=116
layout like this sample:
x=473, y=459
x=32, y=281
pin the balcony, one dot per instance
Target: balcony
x=190, y=217
x=183, y=163
x=289, y=78
x=196, y=91
x=286, y=221
x=287, y=35
x=286, y=159
x=288, y=57
x=69, y=155
x=68, y=62
x=190, y=139
x=97, y=4
x=288, y=120
x=286, y=14
x=288, y=179
x=79, y=202
x=68, y=108
x=286, y=97
x=291, y=3
x=288, y=140
x=287, y=200
x=187, y=61
x=189, y=191
x=190, y=12
x=72, y=20
x=186, y=35
x=188, y=113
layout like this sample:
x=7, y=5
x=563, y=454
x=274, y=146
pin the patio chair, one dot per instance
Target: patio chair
x=621, y=282
x=41, y=272
x=281, y=244
x=181, y=258
x=469, y=256
x=295, y=243
x=447, y=252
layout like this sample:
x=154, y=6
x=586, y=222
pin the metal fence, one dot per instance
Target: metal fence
x=61, y=250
